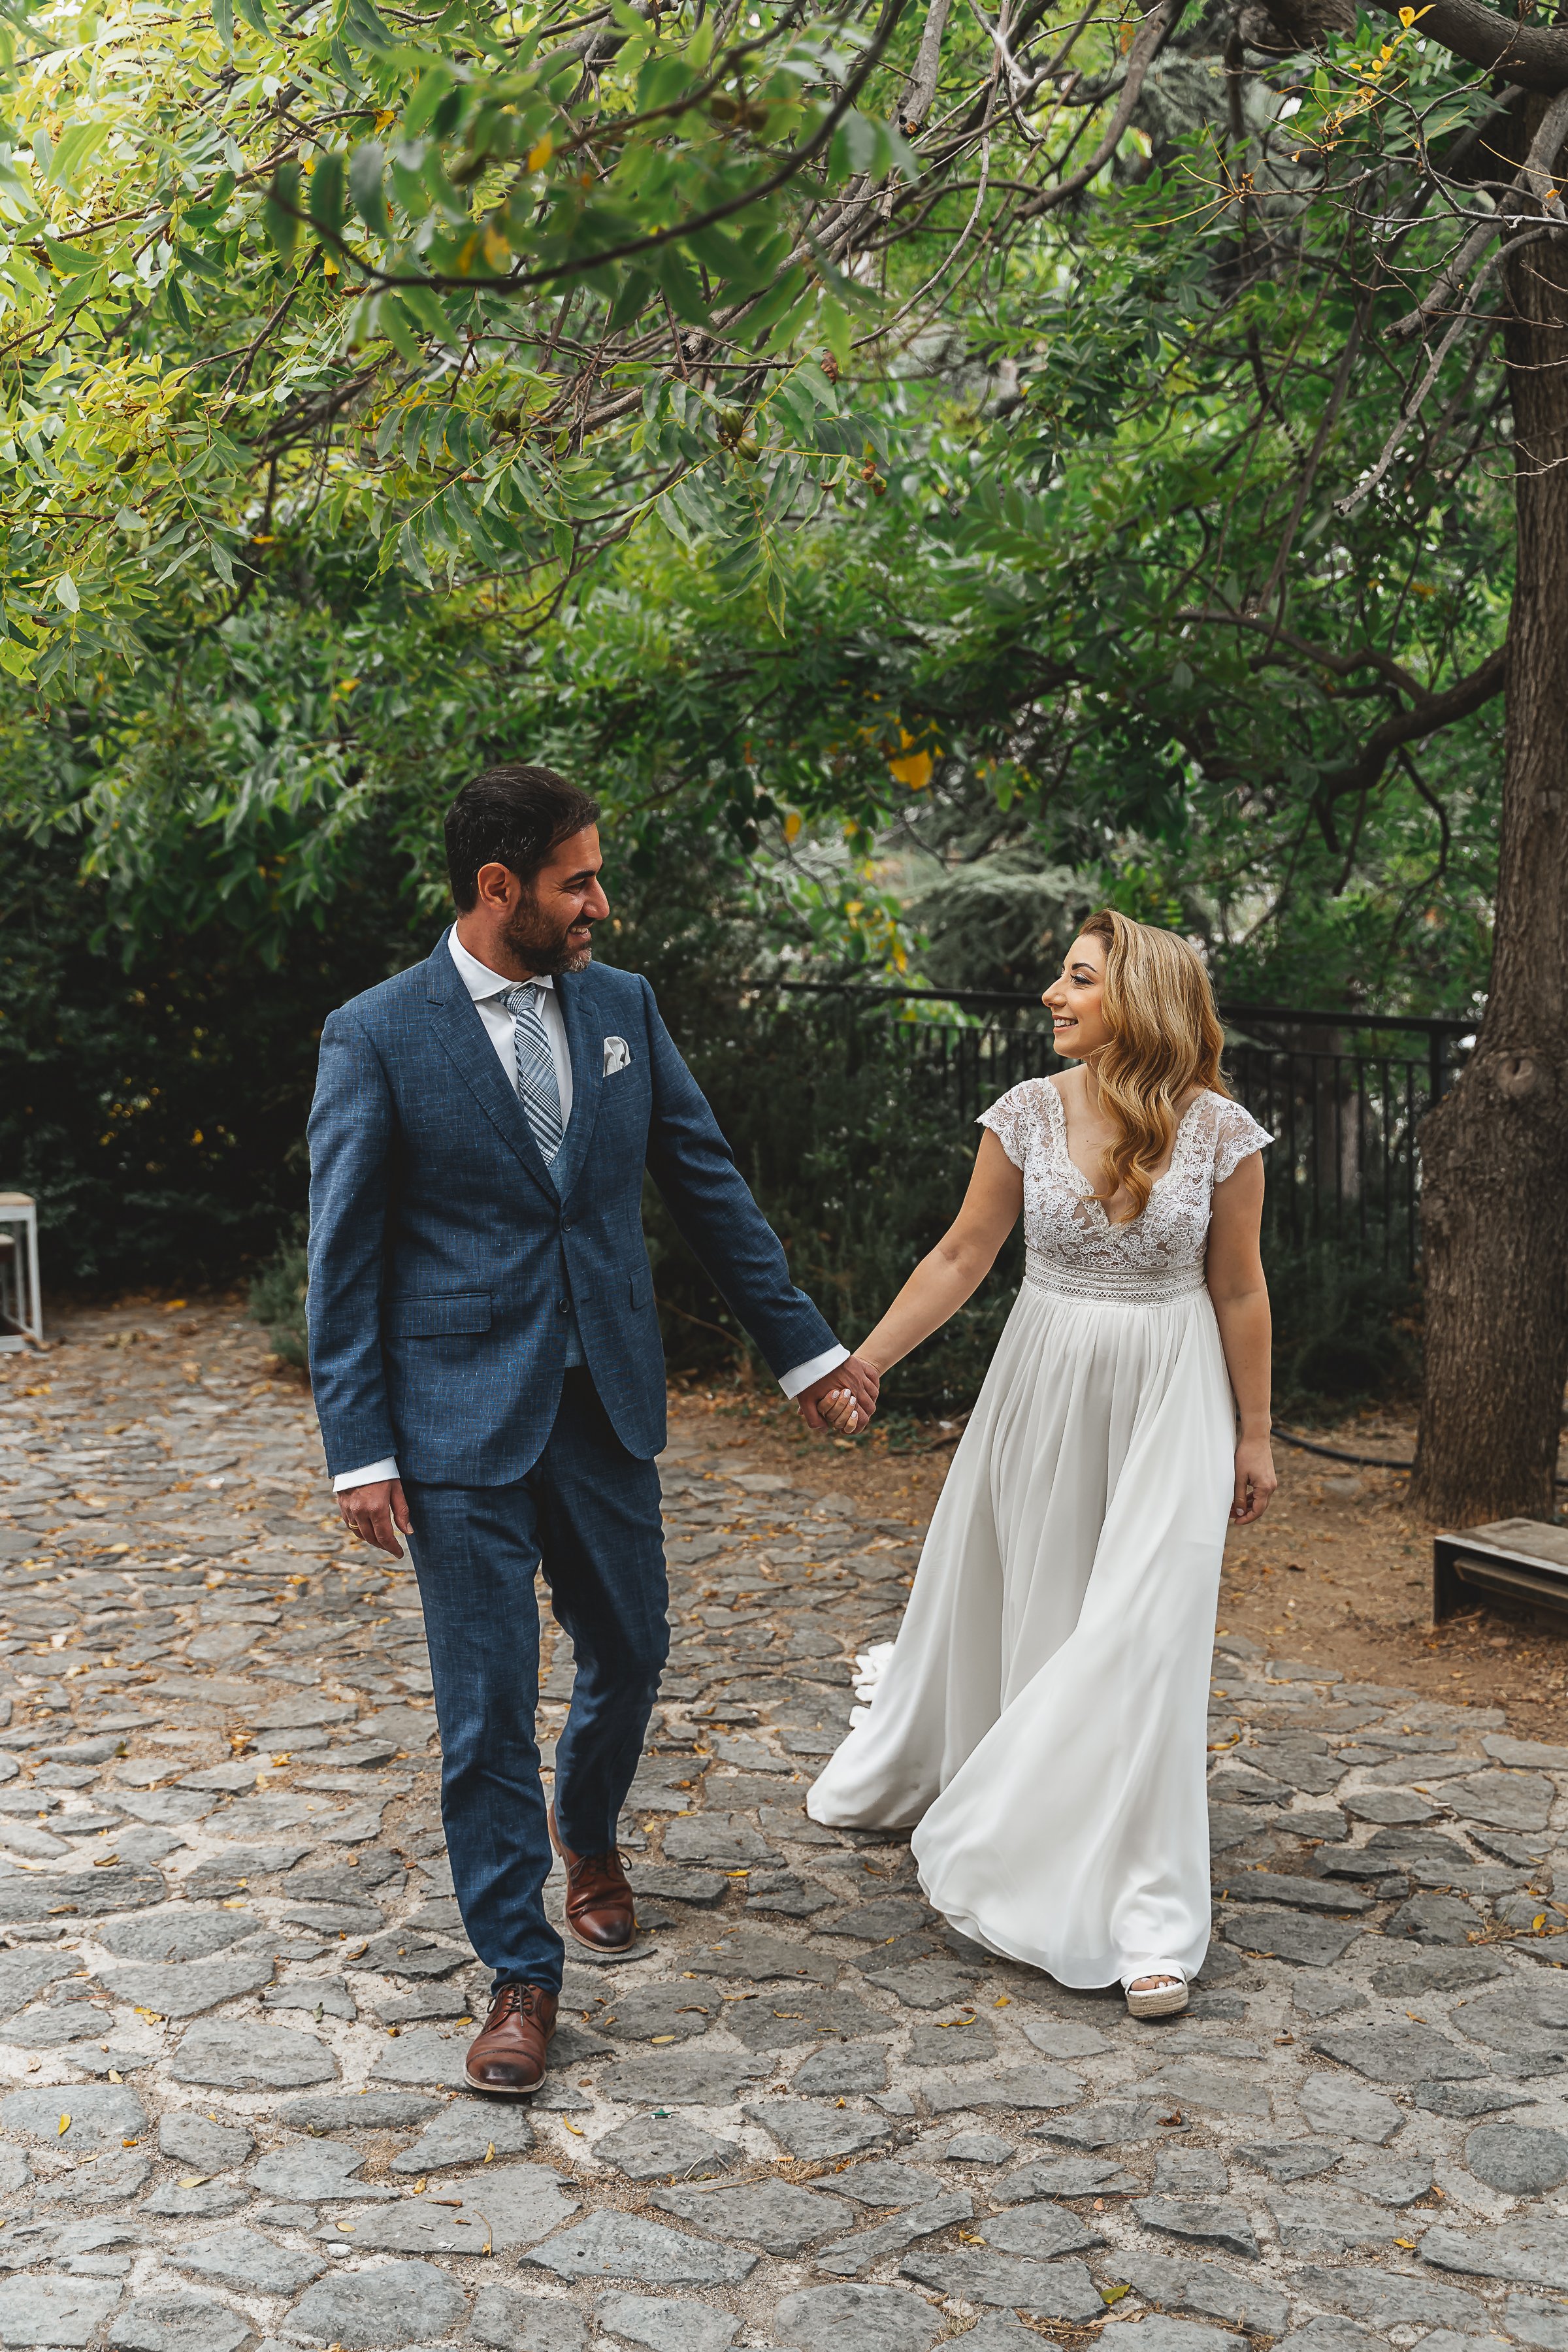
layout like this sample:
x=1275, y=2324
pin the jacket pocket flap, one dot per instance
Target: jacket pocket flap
x=436, y=1315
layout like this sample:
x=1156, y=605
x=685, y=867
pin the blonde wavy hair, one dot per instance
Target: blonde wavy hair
x=1165, y=1041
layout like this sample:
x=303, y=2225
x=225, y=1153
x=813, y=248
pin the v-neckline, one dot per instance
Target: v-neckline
x=1086, y=1182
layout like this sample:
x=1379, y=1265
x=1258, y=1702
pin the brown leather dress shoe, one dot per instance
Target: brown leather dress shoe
x=506, y=2058
x=599, y=1909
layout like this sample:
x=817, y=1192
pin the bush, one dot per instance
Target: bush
x=859, y=1162
x=155, y=1103
x=278, y=1299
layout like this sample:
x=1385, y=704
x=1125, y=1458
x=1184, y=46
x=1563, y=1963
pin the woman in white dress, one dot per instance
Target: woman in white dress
x=1041, y=1719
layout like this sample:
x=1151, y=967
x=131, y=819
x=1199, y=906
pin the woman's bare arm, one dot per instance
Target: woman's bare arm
x=952, y=1273
x=1240, y=1297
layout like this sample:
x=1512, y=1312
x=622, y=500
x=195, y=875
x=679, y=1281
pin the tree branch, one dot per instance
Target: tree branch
x=1535, y=177
x=919, y=96
x=1401, y=727
x=1152, y=35
x=1533, y=56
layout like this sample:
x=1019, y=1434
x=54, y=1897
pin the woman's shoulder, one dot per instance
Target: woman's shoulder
x=1035, y=1095
x=1024, y=1113
x=1236, y=1133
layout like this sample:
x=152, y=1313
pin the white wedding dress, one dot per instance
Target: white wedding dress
x=1042, y=1713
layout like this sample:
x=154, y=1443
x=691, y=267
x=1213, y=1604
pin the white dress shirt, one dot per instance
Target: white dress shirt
x=488, y=990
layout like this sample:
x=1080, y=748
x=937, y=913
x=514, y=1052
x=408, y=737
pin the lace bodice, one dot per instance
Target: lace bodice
x=1072, y=1245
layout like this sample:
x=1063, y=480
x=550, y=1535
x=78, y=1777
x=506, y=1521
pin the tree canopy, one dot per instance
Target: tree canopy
x=856, y=398
x=928, y=464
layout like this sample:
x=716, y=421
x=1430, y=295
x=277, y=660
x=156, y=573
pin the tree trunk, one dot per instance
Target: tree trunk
x=1495, y=1151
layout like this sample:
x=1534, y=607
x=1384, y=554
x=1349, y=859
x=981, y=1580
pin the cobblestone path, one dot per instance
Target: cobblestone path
x=806, y=2114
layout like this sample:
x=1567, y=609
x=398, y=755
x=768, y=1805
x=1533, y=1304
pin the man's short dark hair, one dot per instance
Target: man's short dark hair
x=511, y=815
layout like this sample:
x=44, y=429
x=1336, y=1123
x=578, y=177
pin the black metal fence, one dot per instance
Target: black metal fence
x=1343, y=1094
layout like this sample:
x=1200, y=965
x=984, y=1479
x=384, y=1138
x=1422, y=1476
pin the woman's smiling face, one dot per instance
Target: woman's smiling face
x=1076, y=1001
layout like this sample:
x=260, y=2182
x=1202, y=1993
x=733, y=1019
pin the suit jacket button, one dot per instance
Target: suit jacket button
x=562, y=1307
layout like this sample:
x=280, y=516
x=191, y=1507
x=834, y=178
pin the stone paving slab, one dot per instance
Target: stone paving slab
x=234, y=1993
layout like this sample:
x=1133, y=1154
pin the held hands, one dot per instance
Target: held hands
x=373, y=1512
x=844, y=1399
x=1256, y=1480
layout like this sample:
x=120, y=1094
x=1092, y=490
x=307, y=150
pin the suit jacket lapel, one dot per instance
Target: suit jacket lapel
x=586, y=1045
x=462, y=1034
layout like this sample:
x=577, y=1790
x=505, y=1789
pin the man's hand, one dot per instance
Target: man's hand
x=373, y=1512
x=858, y=1380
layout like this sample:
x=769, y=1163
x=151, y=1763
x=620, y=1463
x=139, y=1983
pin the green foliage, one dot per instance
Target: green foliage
x=418, y=288
x=277, y=1299
x=909, y=556
x=157, y=1113
x=861, y=1160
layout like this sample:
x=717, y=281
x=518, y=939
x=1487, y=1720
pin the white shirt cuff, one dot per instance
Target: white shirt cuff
x=377, y=1471
x=802, y=1375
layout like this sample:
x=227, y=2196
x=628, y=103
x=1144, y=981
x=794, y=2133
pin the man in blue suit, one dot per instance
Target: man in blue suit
x=486, y=1357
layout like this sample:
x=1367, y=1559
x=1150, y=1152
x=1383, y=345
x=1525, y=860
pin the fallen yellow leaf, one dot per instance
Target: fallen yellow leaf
x=65, y=2126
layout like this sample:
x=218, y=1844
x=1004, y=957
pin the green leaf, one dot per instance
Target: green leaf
x=634, y=290
x=367, y=171
x=394, y=323
x=254, y=15
x=223, y=17
x=422, y=303
x=834, y=325
x=69, y=259
x=281, y=210
x=772, y=306
x=361, y=20
x=680, y=282
x=864, y=141
x=79, y=141
x=431, y=88
x=66, y=592
x=326, y=197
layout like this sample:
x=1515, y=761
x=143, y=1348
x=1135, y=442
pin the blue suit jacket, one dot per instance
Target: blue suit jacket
x=444, y=1251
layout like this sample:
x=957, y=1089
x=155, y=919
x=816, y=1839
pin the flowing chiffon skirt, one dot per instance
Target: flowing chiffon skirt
x=1042, y=1716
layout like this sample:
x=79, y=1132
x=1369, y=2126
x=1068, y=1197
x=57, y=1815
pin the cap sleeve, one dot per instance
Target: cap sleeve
x=1015, y=1119
x=1237, y=1136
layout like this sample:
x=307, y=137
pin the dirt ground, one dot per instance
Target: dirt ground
x=1338, y=1573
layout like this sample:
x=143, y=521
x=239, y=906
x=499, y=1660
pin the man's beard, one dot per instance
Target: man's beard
x=534, y=943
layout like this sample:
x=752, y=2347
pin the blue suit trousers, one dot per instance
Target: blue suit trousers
x=587, y=1515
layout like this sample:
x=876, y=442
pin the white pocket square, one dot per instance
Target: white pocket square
x=617, y=1054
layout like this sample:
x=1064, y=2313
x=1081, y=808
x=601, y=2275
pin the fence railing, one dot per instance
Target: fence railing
x=1343, y=1094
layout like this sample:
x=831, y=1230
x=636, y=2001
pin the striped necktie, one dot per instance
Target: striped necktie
x=536, y=1082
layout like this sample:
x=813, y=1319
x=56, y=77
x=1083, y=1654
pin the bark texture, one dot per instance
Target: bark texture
x=1495, y=1152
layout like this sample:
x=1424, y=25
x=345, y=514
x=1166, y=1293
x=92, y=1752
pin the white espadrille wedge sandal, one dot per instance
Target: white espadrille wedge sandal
x=1167, y=1996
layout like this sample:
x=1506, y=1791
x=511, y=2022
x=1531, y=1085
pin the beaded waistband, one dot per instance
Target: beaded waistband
x=1134, y=1285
